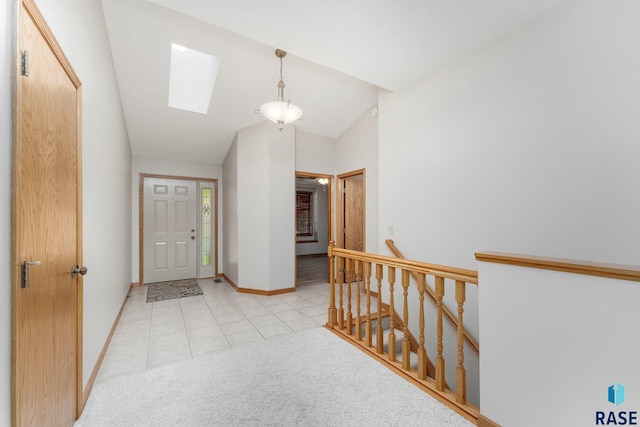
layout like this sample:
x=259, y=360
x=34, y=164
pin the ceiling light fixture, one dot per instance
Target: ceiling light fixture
x=280, y=111
x=322, y=181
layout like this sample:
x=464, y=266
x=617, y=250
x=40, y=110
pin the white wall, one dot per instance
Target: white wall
x=265, y=206
x=357, y=148
x=229, y=229
x=552, y=344
x=315, y=153
x=253, y=207
x=80, y=29
x=150, y=165
x=281, y=207
x=529, y=145
x=6, y=48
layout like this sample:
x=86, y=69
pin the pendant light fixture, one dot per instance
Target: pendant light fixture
x=280, y=111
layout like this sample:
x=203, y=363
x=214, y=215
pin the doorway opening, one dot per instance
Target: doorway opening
x=178, y=228
x=314, y=206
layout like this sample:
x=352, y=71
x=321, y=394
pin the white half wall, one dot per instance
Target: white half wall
x=6, y=63
x=151, y=165
x=79, y=27
x=552, y=344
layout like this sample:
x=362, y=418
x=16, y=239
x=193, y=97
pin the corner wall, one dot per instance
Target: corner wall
x=229, y=196
x=263, y=194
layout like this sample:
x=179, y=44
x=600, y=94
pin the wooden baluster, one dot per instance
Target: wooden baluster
x=422, y=352
x=349, y=263
x=461, y=373
x=379, y=332
x=332, y=318
x=367, y=280
x=392, y=324
x=358, y=266
x=440, y=372
x=406, y=344
x=341, y=308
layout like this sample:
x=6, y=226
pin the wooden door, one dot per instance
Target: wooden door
x=351, y=210
x=353, y=230
x=351, y=215
x=169, y=229
x=46, y=227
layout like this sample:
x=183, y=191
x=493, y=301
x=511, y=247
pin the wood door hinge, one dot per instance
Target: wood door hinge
x=24, y=66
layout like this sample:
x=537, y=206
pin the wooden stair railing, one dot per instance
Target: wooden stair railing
x=359, y=269
x=434, y=297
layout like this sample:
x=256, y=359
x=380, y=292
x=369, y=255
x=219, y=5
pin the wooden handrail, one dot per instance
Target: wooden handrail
x=354, y=274
x=453, y=273
x=447, y=313
x=613, y=271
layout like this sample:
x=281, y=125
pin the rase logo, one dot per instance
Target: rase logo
x=616, y=394
x=619, y=418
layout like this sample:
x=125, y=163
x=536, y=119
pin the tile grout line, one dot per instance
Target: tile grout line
x=184, y=325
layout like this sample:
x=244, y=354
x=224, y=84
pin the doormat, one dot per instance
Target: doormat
x=217, y=280
x=174, y=289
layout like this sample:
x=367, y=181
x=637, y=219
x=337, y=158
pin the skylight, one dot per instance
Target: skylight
x=191, y=79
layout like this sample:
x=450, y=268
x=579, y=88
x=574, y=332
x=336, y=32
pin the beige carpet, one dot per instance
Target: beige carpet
x=312, y=378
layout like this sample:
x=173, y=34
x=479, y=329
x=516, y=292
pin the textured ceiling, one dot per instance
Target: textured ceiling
x=340, y=53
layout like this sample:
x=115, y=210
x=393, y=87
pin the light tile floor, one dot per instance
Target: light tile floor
x=155, y=334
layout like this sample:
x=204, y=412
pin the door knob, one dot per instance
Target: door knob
x=193, y=237
x=75, y=270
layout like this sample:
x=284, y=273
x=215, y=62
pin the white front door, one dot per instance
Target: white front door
x=169, y=229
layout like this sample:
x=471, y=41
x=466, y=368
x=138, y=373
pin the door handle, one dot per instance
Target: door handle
x=25, y=272
x=75, y=270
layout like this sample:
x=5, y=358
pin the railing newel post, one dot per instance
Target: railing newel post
x=333, y=314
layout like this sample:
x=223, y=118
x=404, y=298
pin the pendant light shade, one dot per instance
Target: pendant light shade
x=280, y=111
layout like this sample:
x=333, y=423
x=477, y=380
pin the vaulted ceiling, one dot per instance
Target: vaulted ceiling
x=340, y=53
